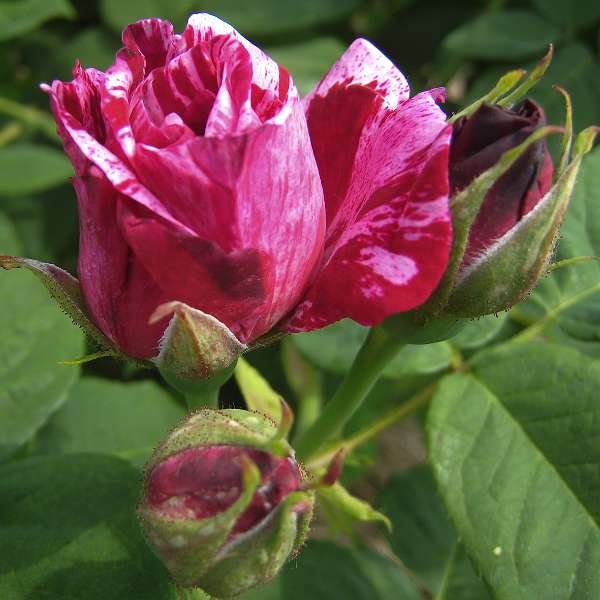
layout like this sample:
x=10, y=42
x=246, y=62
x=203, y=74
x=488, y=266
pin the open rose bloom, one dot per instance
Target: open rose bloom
x=208, y=190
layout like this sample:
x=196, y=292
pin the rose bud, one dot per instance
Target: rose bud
x=223, y=506
x=478, y=143
x=507, y=203
x=215, y=208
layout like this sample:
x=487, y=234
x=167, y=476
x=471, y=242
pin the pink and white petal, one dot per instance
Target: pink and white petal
x=261, y=254
x=148, y=44
x=116, y=171
x=103, y=253
x=364, y=65
x=154, y=39
x=288, y=223
x=336, y=124
x=232, y=112
x=185, y=88
x=394, y=244
x=121, y=79
x=266, y=73
x=81, y=98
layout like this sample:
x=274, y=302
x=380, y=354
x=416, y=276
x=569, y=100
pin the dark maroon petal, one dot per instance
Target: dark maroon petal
x=202, y=482
x=478, y=142
x=383, y=164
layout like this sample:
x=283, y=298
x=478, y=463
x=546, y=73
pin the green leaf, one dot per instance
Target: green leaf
x=514, y=446
x=308, y=61
x=35, y=335
x=506, y=34
x=344, y=511
x=118, y=14
x=68, y=531
x=424, y=538
x=326, y=571
x=18, y=17
x=47, y=223
x=571, y=14
x=566, y=304
x=275, y=17
x=126, y=419
x=335, y=347
x=28, y=168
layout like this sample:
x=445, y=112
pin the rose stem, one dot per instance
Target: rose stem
x=375, y=354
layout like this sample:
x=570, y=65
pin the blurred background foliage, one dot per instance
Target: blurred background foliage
x=464, y=45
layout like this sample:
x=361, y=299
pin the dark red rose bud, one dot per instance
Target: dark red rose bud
x=224, y=503
x=202, y=482
x=478, y=142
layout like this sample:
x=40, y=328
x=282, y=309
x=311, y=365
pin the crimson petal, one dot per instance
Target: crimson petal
x=383, y=162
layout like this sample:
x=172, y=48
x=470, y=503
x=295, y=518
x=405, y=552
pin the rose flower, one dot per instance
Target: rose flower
x=203, y=180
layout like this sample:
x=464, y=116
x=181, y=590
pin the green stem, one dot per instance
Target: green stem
x=208, y=398
x=199, y=393
x=375, y=354
x=370, y=431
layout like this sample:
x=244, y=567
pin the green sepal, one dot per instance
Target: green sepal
x=188, y=547
x=195, y=345
x=506, y=83
x=256, y=556
x=534, y=77
x=256, y=390
x=513, y=264
x=65, y=290
x=565, y=151
x=209, y=427
x=343, y=510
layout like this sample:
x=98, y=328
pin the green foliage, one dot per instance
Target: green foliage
x=18, y=17
x=266, y=18
x=28, y=168
x=118, y=14
x=327, y=571
x=569, y=15
x=566, y=303
x=508, y=34
x=424, y=538
x=110, y=417
x=514, y=446
x=35, y=335
x=335, y=347
x=68, y=530
x=513, y=436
